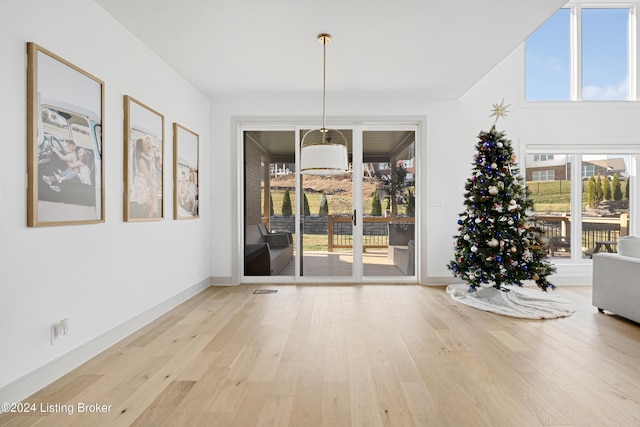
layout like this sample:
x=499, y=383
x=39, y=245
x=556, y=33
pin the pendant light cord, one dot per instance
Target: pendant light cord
x=324, y=86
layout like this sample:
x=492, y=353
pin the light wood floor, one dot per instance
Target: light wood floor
x=376, y=355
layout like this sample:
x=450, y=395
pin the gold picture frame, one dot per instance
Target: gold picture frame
x=143, y=162
x=65, y=158
x=186, y=182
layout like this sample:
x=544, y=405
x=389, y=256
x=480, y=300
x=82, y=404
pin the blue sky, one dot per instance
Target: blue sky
x=604, y=56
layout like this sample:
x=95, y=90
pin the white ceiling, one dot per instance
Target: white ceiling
x=402, y=48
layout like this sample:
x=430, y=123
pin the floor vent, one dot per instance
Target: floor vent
x=265, y=291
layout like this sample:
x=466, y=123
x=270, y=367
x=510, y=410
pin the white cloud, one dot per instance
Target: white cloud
x=609, y=93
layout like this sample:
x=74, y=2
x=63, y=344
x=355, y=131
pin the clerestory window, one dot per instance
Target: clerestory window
x=584, y=53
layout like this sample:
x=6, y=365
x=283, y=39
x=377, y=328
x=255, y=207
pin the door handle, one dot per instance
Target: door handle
x=354, y=217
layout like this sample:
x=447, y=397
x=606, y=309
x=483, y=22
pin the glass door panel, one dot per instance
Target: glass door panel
x=269, y=194
x=388, y=203
x=326, y=218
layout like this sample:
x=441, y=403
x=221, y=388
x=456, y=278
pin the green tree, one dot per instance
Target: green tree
x=376, y=206
x=324, y=205
x=606, y=189
x=626, y=189
x=617, y=187
x=387, y=204
x=271, y=211
x=599, y=192
x=592, y=196
x=286, y=204
x=498, y=242
x=398, y=189
x=307, y=211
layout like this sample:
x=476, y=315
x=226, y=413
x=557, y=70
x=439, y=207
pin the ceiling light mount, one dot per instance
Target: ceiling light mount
x=325, y=38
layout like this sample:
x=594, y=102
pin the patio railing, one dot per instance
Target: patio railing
x=594, y=229
x=375, y=231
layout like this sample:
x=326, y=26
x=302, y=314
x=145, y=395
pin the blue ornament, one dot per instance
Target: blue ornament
x=498, y=258
x=459, y=222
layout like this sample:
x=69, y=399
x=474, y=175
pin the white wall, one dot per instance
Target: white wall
x=99, y=276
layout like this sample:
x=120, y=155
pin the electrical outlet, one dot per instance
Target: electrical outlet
x=56, y=336
x=64, y=326
x=59, y=330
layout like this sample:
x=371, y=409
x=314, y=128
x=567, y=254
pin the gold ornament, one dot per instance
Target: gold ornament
x=499, y=110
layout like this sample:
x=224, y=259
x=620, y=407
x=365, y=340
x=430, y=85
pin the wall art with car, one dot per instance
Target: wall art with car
x=64, y=142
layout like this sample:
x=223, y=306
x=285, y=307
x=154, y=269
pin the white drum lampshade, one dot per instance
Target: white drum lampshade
x=323, y=158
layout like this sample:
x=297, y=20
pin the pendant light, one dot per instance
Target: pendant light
x=324, y=151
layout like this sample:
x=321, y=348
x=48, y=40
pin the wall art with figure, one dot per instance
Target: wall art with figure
x=186, y=174
x=143, y=162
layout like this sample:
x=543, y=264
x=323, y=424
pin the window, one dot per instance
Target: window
x=605, y=202
x=586, y=58
x=548, y=175
x=542, y=157
x=602, y=212
x=588, y=170
x=605, y=63
x=548, y=60
x=552, y=205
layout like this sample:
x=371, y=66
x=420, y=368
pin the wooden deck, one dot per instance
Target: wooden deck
x=319, y=263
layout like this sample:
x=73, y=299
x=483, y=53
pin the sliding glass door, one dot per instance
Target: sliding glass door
x=307, y=228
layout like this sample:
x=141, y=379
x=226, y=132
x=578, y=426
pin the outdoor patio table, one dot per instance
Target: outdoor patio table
x=607, y=245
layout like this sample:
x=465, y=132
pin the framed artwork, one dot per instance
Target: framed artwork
x=64, y=142
x=185, y=173
x=143, y=162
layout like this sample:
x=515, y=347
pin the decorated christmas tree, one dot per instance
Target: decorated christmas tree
x=499, y=242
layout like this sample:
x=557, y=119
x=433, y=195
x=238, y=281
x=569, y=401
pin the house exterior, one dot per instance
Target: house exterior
x=557, y=167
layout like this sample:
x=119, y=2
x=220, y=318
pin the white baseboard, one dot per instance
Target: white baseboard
x=24, y=387
x=220, y=281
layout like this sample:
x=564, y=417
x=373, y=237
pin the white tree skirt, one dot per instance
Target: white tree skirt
x=519, y=302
